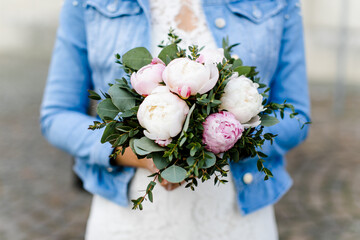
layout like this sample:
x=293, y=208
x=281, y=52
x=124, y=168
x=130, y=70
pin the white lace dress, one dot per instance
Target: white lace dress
x=210, y=212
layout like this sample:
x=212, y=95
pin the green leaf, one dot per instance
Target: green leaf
x=150, y=195
x=106, y=109
x=109, y=130
x=93, y=95
x=144, y=146
x=140, y=151
x=133, y=132
x=237, y=63
x=174, y=174
x=111, y=138
x=168, y=60
x=160, y=161
x=121, y=140
x=243, y=70
x=268, y=136
x=210, y=160
x=261, y=154
x=129, y=113
x=234, y=154
x=122, y=128
x=136, y=58
x=121, y=98
x=268, y=121
x=196, y=171
x=268, y=172
x=187, y=120
x=169, y=51
x=151, y=185
x=190, y=161
x=183, y=140
x=131, y=144
x=259, y=165
x=193, y=150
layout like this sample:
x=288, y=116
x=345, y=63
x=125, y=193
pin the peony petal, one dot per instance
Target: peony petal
x=254, y=122
x=214, y=76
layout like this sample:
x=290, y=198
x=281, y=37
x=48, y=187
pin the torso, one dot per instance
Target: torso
x=209, y=212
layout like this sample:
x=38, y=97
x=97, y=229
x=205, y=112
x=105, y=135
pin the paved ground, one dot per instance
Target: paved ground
x=37, y=200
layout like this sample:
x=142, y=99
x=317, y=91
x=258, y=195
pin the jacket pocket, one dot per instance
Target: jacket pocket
x=256, y=11
x=115, y=8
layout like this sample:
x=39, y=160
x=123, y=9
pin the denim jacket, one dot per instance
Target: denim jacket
x=270, y=34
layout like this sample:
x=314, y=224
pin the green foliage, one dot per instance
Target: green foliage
x=160, y=161
x=107, y=110
x=268, y=121
x=121, y=98
x=168, y=53
x=243, y=70
x=210, y=160
x=109, y=130
x=93, y=95
x=174, y=174
x=144, y=146
x=136, y=58
x=187, y=120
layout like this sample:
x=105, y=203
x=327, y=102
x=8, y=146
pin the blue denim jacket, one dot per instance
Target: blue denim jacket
x=270, y=34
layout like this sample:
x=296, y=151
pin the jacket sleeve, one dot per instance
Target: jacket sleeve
x=63, y=116
x=290, y=83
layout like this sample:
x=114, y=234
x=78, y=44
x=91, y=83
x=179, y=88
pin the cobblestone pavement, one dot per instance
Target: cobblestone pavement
x=324, y=202
x=38, y=201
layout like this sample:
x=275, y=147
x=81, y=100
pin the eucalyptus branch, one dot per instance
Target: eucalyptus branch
x=138, y=202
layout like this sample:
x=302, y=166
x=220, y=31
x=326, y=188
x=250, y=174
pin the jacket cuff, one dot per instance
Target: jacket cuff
x=100, y=152
x=112, y=185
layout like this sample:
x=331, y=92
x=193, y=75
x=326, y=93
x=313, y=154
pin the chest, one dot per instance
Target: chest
x=116, y=26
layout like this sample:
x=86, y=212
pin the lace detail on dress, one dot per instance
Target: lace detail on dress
x=209, y=212
x=186, y=17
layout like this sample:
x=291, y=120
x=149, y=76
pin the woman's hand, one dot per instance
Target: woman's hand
x=130, y=159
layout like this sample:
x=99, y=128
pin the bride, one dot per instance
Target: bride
x=92, y=31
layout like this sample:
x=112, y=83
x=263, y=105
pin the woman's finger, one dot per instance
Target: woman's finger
x=168, y=185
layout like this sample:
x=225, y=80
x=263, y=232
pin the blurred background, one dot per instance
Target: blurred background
x=37, y=196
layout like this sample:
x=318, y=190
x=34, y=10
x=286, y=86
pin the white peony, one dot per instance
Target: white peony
x=186, y=77
x=241, y=98
x=211, y=56
x=162, y=114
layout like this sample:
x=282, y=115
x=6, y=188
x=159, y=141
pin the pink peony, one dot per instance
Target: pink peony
x=221, y=132
x=148, y=77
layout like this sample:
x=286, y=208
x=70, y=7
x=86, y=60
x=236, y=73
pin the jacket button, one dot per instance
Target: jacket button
x=257, y=12
x=220, y=22
x=111, y=7
x=109, y=169
x=248, y=178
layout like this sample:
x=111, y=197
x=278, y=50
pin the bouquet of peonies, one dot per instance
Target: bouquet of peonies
x=191, y=113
